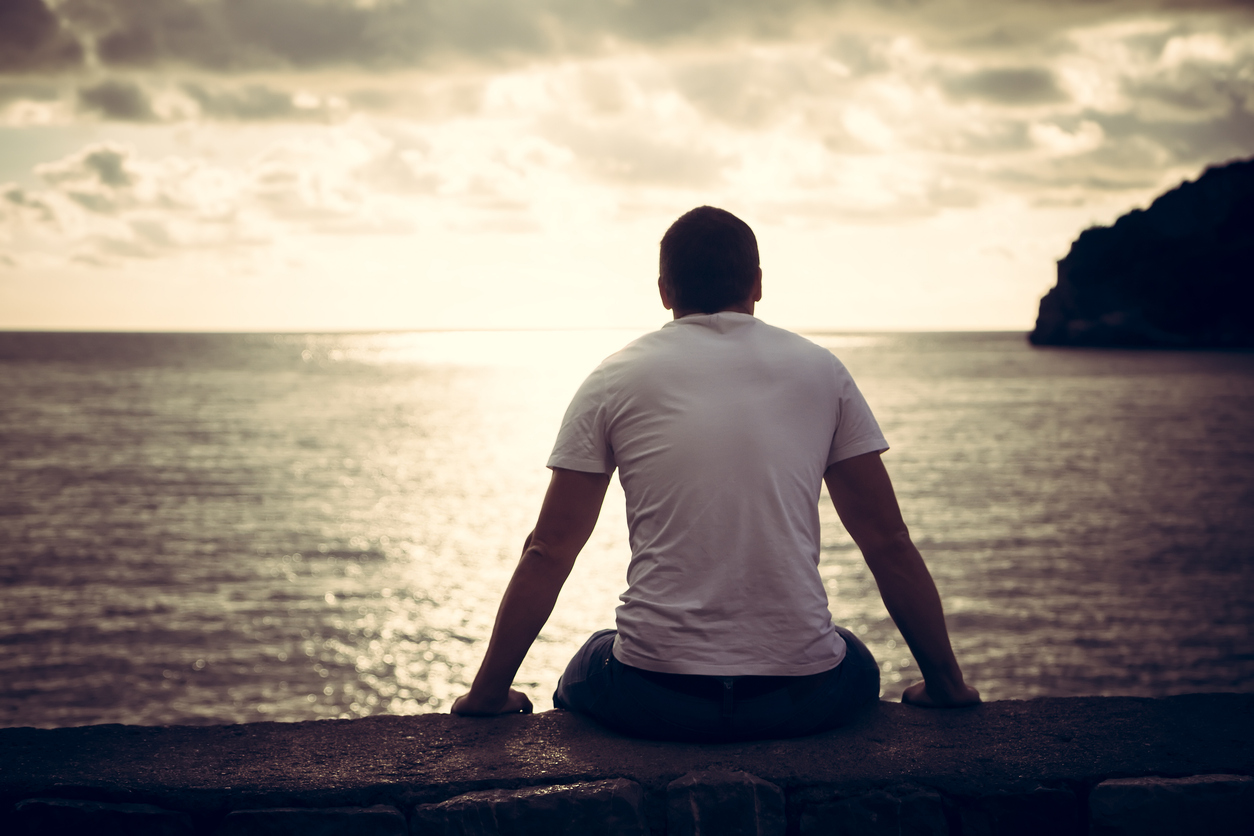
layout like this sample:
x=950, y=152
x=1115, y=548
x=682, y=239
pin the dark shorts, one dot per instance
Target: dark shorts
x=663, y=706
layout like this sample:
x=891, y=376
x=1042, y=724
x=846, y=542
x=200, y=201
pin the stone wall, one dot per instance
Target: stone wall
x=1057, y=766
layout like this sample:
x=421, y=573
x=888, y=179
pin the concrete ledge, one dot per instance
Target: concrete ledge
x=1039, y=766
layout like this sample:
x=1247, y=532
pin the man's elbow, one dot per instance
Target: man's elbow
x=887, y=545
x=541, y=556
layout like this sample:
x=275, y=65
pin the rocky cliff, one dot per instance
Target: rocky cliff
x=1179, y=274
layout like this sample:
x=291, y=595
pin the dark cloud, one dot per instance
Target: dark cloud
x=18, y=199
x=1223, y=137
x=32, y=39
x=1196, y=87
x=113, y=99
x=237, y=35
x=253, y=102
x=105, y=165
x=1193, y=91
x=1045, y=180
x=1133, y=153
x=862, y=56
x=232, y=35
x=1007, y=86
x=1001, y=36
x=664, y=20
x=128, y=101
x=304, y=34
x=98, y=178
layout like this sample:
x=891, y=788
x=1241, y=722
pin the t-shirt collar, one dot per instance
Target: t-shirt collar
x=720, y=321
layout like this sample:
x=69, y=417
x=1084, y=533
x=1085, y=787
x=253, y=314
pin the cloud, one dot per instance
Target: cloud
x=99, y=179
x=859, y=54
x=33, y=39
x=1194, y=76
x=422, y=113
x=253, y=102
x=249, y=35
x=1131, y=140
x=123, y=100
x=234, y=35
x=20, y=205
x=1006, y=86
x=759, y=90
x=163, y=100
x=637, y=156
x=249, y=103
x=105, y=202
x=105, y=165
x=28, y=90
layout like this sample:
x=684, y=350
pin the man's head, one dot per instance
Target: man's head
x=709, y=261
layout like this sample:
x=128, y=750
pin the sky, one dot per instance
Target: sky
x=446, y=164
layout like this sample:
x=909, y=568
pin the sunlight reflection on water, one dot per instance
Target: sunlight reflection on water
x=210, y=528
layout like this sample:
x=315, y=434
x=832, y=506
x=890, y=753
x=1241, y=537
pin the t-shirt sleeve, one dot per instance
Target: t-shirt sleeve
x=582, y=442
x=857, y=431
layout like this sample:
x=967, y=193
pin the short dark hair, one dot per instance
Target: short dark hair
x=708, y=260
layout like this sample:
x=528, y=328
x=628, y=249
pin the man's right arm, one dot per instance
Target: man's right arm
x=567, y=517
x=863, y=495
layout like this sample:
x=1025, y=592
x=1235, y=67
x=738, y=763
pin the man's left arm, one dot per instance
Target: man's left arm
x=567, y=517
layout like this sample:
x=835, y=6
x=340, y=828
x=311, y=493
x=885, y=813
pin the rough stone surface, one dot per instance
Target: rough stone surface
x=1014, y=746
x=714, y=803
x=877, y=813
x=1201, y=804
x=378, y=820
x=1044, y=811
x=57, y=815
x=606, y=808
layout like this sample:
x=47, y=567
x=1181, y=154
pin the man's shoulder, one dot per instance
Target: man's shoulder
x=784, y=335
x=796, y=346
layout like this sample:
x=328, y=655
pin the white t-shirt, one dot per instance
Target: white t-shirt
x=721, y=428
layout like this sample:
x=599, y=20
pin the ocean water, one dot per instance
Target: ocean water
x=226, y=528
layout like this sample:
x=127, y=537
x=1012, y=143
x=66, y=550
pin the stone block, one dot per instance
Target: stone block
x=1044, y=811
x=724, y=804
x=606, y=808
x=61, y=815
x=879, y=813
x=379, y=820
x=1202, y=804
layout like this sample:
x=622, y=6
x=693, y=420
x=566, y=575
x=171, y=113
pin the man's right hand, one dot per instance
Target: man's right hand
x=918, y=694
x=470, y=705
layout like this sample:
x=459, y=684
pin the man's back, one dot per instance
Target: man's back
x=721, y=427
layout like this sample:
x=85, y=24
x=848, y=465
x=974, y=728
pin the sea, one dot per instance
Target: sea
x=223, y=528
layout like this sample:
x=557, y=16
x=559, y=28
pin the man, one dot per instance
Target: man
x=721, y=428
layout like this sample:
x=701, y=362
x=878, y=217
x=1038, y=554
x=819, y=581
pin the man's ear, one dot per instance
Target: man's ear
x=757, y=287
x=665, y=293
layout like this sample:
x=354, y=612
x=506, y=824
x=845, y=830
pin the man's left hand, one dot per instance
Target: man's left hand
x=919, y=694
x=470, y=705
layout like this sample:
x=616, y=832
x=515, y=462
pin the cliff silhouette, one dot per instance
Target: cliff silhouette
x=1179, y=274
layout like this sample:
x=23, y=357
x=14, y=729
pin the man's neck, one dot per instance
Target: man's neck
x=745, y=307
